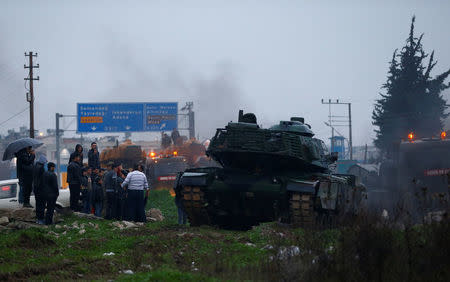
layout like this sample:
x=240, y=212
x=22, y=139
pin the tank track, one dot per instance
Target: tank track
x=195, y=205
x=301, y=210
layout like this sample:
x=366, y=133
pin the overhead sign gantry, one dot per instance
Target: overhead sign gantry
x=126, y=117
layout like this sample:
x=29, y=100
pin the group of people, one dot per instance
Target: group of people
x=174, y=138
x=113, y=193
x=34, y=177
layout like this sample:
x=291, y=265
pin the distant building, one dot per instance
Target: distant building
x=366, y=174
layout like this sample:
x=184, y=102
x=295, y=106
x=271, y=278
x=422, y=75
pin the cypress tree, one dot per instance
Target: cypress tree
x=411, y=100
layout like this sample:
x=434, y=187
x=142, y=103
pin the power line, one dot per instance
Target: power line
x=330, y=121
x=22, y=111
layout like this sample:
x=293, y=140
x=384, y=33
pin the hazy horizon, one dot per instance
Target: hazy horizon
x=276, y=59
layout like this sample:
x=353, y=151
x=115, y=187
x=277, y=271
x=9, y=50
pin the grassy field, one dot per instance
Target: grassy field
x=165, y=251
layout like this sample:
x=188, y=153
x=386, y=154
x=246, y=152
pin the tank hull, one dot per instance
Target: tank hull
x=235, y=198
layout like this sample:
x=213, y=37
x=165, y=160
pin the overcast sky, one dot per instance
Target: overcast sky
x=275, y=58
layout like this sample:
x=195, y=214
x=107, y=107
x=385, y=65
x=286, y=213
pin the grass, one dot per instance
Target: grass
x=165, y=251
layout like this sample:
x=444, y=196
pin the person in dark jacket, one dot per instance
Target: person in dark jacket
x=179, y=203
x=74, y=179
x=38, y=173
x=50, y=191
x=94, y=157
x=25, y=161
x=78, y=152
x=165, y=141
x=120, y=193
x=176, y=138
x=97, y=195
x=110, y=191
x=86, y=189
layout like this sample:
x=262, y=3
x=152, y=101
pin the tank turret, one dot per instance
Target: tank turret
x=287, y=145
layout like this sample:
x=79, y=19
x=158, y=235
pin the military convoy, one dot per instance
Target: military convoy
x=277, y=174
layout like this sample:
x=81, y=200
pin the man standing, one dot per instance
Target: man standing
x=176, y=138
x=97, y=194
x=142, y=169
x=86, y=189
x=78, y=152
x=25, y=160
x=94, y=157
x=179, y=202
x=50, y=191
x=74, y=180
x=38, y=180
x=165, y=141
x=136, y=183
x=110, y=193
x=120, y=193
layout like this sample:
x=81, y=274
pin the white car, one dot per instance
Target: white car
x=9, y=196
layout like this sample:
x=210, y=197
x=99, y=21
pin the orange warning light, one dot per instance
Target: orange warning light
x=175, y=153
x=411, y=136
x=152, y=154
x=443, y=135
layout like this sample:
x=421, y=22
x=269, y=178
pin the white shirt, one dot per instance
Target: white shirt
x=136, y=180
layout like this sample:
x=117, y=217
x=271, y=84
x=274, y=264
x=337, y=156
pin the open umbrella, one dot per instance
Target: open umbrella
x=18, y=145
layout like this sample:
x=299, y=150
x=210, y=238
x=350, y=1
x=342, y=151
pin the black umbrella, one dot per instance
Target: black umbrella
x=18, y=145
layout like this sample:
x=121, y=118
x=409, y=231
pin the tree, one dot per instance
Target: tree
x=412, y=99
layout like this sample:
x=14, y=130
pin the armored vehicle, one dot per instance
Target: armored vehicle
x=126, y=153
x=162, y=171
x=417, y=177
x=163, y=166
x=277, y=174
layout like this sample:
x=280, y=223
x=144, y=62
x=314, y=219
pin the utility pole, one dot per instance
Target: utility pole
x=191, y=118
x=59, y=132
x=58, y=154
x=30, y=95
x=337, y=102
x=350, y=130
x=365, y=154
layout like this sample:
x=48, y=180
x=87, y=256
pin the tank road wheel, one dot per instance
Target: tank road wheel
x=195, y=205
x=301, y=210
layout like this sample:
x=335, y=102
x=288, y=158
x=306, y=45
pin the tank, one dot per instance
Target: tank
x=126, y=153
x=281, y=173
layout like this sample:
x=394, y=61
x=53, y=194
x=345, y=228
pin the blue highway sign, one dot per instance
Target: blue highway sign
x=126, y=117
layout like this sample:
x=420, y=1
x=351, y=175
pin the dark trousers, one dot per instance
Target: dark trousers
x=181, y=212
x=135, y=206
x=74, y=196
x=27, y=189
x=110, y=205
x=87, y=202
x=50, y=203
x=98, y=206
x=120, y=208
x=40, y=207
x=20, y=193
